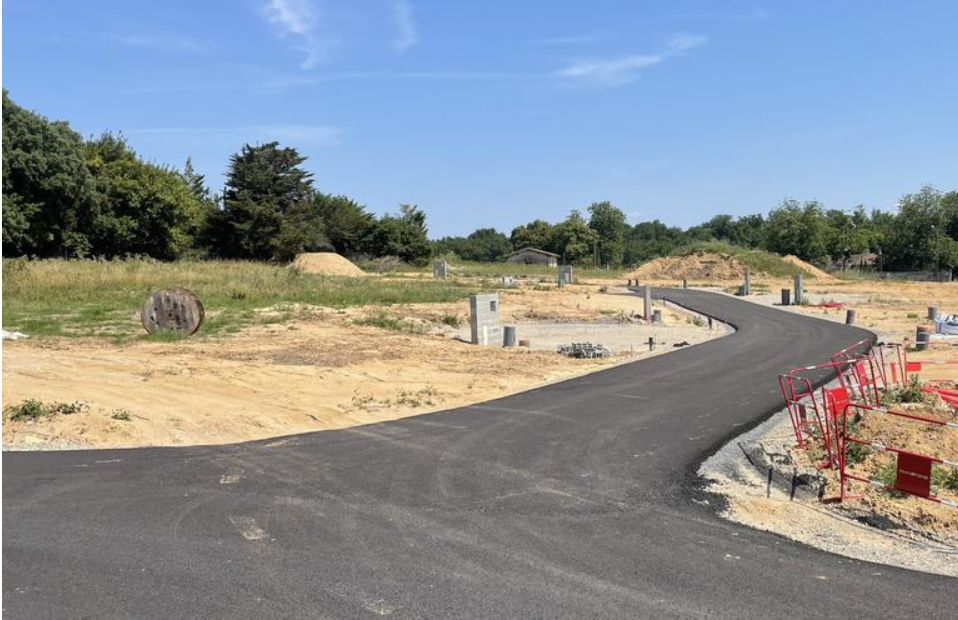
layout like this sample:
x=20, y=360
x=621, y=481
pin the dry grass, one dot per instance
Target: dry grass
x=103, y=298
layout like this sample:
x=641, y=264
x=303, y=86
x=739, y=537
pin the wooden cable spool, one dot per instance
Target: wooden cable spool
x=172, y=310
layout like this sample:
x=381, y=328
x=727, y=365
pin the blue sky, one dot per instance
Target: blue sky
x=494, y=113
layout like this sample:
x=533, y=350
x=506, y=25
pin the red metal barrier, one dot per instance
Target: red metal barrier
x=913, y=474
x=816, y=415
x=865, y=372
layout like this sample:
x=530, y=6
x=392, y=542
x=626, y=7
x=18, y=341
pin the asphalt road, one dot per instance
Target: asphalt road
x=574, y=500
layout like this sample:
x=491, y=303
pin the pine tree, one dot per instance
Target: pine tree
x=196, y=182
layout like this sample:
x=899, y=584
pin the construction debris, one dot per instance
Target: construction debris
x=583, y=350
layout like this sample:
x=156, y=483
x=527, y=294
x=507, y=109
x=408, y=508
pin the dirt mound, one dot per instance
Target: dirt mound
x=808, y=268
x=327, y=264
x=697, y=266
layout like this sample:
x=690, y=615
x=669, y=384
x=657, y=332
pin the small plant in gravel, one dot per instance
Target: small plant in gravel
x=452, y=320
x=392, y=322
x=33, y=409
x=121, y=414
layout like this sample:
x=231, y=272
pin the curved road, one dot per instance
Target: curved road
x=574, y=500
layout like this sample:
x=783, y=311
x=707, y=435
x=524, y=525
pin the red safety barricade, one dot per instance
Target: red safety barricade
x=835, y=400
x=913, y=475
x=864, y=375
x=892, y=360
x=807, y=408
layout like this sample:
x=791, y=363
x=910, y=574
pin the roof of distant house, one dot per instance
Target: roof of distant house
x=536, y=250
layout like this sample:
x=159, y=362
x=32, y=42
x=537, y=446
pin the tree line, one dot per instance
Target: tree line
x=64, y=196
x=922, y=234
x=70, y=197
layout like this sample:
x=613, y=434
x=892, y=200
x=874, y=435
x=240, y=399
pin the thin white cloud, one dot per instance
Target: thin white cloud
x=407, y=33
x=684, y=42
x=610, y=70
x=298, y=19
x=162, y=43
x=292, y=16
x=755, y=15
x=624, y=69
x=313, y=135
x=439, y=76
x=576, y=39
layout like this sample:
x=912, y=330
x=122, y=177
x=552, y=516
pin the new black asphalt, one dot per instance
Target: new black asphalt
x=574, y=500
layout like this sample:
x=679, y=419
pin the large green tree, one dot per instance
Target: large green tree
x=47, y=188
x=573, y=240
x=921, y=238
x=140, y=208
x=347, y=223
x=799, y=229
x=609, y=224
x=268, y=212
x=483, y=245
x=403, y=234
x=535, y=234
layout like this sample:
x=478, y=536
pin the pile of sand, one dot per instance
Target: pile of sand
x=327, y=264
x=808, y=268
x=697, y=266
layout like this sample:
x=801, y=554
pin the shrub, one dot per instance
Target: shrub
x=33, y=409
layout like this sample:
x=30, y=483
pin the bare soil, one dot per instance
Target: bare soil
x=697, y=266
x=327, y=264
x=321, y=371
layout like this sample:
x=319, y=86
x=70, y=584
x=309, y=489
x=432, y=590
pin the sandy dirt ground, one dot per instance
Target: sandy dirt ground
x=320, y=372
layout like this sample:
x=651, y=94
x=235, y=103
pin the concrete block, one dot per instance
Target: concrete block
x=440, y=270
x=484, y=319
x=565, y=274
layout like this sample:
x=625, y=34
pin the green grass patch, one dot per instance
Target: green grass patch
x=46, y=298
x=392, y=322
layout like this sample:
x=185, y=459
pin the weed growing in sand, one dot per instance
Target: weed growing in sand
x=121, y=414
x=909, y=393
x=452, y=320
x=392, y=322
x=33, y=409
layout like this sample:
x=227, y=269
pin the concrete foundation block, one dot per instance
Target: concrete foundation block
x=484, y=319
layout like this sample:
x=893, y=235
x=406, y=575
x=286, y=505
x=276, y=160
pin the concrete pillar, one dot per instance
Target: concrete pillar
x=932, y=312
x=786, y=296
x=647, y=296
x=440, y=269
x=799, y=291
x=850, y=317
x=656, y=316
x=565, y=274
x=685, y=283
x=747, y=287
x=484, y=319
